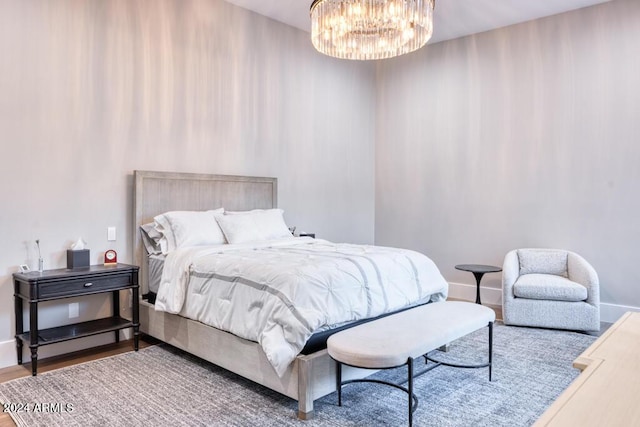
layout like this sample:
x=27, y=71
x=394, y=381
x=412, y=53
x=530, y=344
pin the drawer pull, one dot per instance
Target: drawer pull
x=88, y=285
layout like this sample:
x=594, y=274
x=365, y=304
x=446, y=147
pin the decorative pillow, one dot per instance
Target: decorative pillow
x=151, y=238
x=189, y=228
x=543, y=261
x=256, y=225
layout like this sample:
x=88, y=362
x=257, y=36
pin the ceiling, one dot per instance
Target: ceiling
x=453, y=18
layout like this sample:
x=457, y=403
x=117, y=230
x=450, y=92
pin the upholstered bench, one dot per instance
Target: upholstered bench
x=397, y=340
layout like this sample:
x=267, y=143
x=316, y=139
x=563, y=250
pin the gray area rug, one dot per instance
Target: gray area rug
x=531, y=368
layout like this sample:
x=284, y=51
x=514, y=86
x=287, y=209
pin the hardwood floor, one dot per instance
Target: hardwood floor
x=49, y=364
x=496, y=308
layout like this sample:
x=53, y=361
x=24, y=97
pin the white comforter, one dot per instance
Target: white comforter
x=279, y=293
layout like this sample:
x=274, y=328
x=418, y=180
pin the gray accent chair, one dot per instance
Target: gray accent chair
x=550, y=288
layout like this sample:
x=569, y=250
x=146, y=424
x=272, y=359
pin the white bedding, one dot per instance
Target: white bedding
x=279, y=293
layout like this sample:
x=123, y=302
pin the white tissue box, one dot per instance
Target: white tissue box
x=77, y=258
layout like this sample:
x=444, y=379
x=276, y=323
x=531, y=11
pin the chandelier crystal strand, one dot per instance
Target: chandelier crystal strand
x=370, y=29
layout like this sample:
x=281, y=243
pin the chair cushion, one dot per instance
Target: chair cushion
x=548, y=287
x=543, y=261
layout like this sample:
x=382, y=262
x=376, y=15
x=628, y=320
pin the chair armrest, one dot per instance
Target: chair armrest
x=510, y=273
x=580, y=271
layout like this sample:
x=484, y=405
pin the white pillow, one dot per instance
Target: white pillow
x=250, y=212
x=151, y=238
x=271, y=224
x=189, y=228
x=256, y=225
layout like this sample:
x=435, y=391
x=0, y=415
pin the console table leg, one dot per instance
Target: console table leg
x=136, y=339
x=19, y=350
x=17, y=305
x=34, y=361
x=136, y=315
x=116, y=311
x=33, y=334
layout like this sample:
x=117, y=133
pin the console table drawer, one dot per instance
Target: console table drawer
x=82, y=286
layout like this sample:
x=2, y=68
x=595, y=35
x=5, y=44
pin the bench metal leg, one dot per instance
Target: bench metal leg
x=339, y=381
x=413, y=399
x=489, y=364
x=490, y=348
x=410, y=393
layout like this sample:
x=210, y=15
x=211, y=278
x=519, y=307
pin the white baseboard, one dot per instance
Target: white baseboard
x=609, y=313
x=466, y=292
x=8, y=353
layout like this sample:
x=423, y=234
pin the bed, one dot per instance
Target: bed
x=310, y=375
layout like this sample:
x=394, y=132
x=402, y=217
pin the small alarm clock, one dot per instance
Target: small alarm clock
x=110, y=257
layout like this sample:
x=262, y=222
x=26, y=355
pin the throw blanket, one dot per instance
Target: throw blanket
x=279, y=293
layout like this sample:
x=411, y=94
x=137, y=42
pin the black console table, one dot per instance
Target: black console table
x=478, y=271
x=36, y=287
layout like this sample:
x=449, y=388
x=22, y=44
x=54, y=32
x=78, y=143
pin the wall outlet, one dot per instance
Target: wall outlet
x=74, y=310
x=111, y=234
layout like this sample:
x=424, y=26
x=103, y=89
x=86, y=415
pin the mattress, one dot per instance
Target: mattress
x=156, y=264
x=281, y=293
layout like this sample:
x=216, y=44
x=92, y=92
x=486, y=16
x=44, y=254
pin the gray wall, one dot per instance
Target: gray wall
x=91, y=90
x=525, y=136
x=518, y=137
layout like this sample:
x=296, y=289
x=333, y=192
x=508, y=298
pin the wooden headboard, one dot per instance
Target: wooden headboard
x=158, y=192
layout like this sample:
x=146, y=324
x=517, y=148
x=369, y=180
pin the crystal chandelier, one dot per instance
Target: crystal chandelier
x=370, y=29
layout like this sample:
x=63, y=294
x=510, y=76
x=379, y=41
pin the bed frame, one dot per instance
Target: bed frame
x=309, y=377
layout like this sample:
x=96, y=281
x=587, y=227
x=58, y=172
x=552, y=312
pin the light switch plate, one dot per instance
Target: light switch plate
x=111, y=234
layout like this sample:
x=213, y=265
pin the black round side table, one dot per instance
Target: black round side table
x=478, y=271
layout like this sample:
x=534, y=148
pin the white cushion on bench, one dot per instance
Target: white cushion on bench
x=392, y=340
